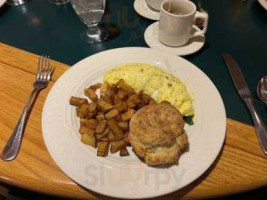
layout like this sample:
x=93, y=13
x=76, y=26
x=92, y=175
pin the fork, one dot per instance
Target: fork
x=43, y=75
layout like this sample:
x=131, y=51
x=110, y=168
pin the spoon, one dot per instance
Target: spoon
x=262, y=89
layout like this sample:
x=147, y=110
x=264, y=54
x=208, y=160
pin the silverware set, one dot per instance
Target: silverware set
x=43, y=76
x=243, y=90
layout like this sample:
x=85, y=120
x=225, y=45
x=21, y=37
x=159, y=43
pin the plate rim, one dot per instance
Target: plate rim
x=207, y=166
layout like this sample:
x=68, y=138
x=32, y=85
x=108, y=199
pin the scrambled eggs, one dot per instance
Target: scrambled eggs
x=155, y=82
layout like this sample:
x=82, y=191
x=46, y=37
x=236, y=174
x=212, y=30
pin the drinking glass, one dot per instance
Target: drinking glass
x=58, y=2
x=91, y=12
x=16, y=2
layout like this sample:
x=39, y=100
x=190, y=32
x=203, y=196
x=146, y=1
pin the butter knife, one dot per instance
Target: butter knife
x=243, y=90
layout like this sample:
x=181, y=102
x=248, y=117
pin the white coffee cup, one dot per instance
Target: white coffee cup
x=154, y=4
x=176, y=22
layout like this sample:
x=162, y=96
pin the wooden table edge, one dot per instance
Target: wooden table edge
x=81, y=193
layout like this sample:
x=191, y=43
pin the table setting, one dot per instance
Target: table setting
x=157, y=99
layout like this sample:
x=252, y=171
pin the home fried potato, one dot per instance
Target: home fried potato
x=126, y=138
x=100, y=117
x=127, y=115
x=103, y=89
x=103, y=134
x=111, y=136
x=104, y=121
x=101, y=127
x=90, y=123
x=90, y=114
x=124, y=86
x=124, y=152
x=92, y=107
x=82, y=110
x=117, y=99
x=91, y=94
x=118, y=117
x=102, y=149
x=104, y=106
x=113, y=125
x=124, y=126
x=89, y=140
x=117, y=145
x=95, y=86
x=111, y=114
x=76, y=101
x=86, y=130
x=121, y=107
x=122, y=94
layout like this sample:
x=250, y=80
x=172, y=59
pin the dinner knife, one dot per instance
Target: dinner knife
x=243, y=90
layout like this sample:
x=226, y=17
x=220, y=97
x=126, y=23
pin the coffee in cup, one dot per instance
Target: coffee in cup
x=176, y=22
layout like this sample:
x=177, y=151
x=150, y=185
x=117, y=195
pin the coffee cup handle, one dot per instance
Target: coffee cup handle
x=205, y=17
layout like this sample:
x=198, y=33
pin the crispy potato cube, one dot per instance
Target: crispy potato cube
x=121, y=107
x=92, y=107
x=127, y=115
x=124, y=86
x=82, y=110
x=95, y=86
x=103, y=89
x=107, y=99
x=91, y=94
x=131, y=104
x=115, y=128
x=126, y=138
x=89, y=140
x=76, y=101
x=117, y=100
x=122, y=94
x=133, y=100
x=86, y=130
x=102, y=135
x=117, y=145
x=145, y=98
x=124, y=126
x=136, y=98
x=124, y=152
x=114, y=88
x=101, y=127
x=90, y=115
x=111, y=136
x=100, y=117
x=90, y=123
x=118, y=117
x=109, y=93
x=111, y=114
x=104, y=106
x=102, y=149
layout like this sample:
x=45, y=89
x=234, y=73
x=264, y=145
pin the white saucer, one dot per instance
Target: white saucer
x=194, y=44
x=142, y=9
x=263, y=3
x=2, y=2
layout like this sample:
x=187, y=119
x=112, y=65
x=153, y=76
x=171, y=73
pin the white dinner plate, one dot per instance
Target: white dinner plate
x=128, y=177
x=263, y=3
